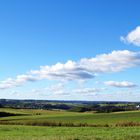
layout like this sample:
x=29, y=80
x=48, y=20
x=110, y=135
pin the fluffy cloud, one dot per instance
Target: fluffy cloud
x=123, y=84
x=20, y=79
x=112, y=62
x=68, y=71
x=83, y=69
x=87, y=68
x=133, y=37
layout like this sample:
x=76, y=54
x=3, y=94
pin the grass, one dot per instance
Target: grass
x=31, y=116
x=116, y=125
x=68, y=133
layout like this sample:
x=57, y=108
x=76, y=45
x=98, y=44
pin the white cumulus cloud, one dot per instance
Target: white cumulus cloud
x=122, y=84
x=87, y=68
x=20, y=79
x=84, y=69
x=133, y=37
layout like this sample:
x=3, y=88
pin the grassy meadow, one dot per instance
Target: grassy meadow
x=68, y=133
x=42, y=116
x=30, y=124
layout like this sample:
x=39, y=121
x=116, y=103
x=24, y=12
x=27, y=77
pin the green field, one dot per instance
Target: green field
x=42, y=116
x=68, y=133
x=105, y=123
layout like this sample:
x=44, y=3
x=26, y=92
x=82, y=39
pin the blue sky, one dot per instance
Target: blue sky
x=70, y=50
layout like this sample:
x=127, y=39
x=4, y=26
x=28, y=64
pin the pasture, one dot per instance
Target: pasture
x=68, y=133
x=30, y=116
x=32, y=124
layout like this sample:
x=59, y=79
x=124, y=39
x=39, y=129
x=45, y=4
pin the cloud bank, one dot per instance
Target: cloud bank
x=84, y=69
